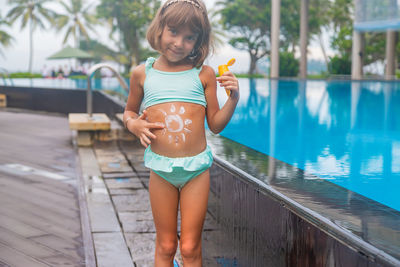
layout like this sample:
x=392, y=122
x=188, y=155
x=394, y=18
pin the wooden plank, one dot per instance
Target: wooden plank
x=42, y=224
x=19, y=227
x=60, y=244
x=15, y=258
x=60, y=260
x=24, y=245
x=29, y=210
x=82, y=122
x=45, y=204
x=36, y=192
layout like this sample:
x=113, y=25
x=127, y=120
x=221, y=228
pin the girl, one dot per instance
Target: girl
x=178, y=92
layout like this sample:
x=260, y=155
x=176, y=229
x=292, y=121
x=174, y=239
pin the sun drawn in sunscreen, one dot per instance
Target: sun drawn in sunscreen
x=175, y=125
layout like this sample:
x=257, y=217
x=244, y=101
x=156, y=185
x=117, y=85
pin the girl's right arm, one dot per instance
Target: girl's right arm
x=136, y=124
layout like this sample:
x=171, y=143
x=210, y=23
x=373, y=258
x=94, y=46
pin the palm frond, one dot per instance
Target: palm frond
x=25, y=19
x=5, y=38
x=61, y=21
x=82, y=29
x=67, y=34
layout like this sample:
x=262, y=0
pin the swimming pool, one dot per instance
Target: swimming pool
x=347, y=133
x=344, y=132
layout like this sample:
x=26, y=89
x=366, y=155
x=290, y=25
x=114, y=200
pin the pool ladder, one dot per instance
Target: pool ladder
x=91, y=72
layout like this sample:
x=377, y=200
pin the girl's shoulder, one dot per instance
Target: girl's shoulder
x=207, y=71
x=138, y=75
x=138, y=71
x=207, y=76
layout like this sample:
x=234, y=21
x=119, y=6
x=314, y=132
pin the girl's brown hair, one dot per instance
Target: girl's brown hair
x=175, y=14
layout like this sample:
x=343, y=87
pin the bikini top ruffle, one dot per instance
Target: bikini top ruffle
x=166, y=164
x=163, y=86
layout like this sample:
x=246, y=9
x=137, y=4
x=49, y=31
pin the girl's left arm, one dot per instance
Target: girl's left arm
x=218, y=118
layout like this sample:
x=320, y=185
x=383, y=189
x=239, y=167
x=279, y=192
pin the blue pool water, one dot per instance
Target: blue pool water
x=345, y=132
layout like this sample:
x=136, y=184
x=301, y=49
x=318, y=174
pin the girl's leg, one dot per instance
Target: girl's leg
x=193, y=203
x=164, y=199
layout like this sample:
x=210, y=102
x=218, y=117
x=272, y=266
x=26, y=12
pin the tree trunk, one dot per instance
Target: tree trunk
x=253, y=64
x=321, y=44
x=30, y=44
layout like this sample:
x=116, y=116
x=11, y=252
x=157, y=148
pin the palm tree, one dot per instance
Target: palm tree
x=34, y=13
x=77, y=19
x=5, y=38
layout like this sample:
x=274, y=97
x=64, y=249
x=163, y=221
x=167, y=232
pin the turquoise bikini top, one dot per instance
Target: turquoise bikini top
x=162, y=86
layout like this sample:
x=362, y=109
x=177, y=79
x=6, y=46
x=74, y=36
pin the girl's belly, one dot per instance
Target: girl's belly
x=183, y=135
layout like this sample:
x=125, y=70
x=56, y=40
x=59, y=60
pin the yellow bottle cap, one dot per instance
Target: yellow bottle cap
x=231, y=62
x=224, y=68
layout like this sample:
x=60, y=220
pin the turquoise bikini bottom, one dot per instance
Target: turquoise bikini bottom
x=178, y=171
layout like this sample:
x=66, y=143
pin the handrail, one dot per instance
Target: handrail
x=4, y=74
x=92, y=70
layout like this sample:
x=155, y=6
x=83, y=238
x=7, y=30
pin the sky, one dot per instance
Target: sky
x=48, y=42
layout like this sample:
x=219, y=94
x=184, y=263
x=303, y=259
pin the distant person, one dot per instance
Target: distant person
x=66, y=71
x=80, y=70
x=60, y=73
x=45, y=72
x=53, y=73
x=178, y=92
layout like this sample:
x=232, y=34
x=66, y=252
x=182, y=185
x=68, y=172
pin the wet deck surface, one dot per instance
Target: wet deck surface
x=39, y=213
x=41, y=179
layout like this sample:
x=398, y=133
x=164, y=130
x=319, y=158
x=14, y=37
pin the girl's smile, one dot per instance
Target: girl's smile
x=177, y=43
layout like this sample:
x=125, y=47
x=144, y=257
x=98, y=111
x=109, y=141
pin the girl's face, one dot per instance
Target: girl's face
x=177, y=43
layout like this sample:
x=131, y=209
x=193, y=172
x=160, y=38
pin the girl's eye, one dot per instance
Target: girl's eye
x=173, y=31
x=191, y=38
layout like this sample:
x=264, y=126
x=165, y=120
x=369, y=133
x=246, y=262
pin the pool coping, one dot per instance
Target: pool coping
x=313, y=217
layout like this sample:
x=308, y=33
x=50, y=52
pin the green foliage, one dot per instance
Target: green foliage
x=5, y=37
x=98, y=50
x=76, y=19
x=340, y=65
x=288, y=65
x=323, y=75
x=290, y=20
x=246, y=21
x=250, y=76
x=375, y=47
x=17, y=75
x=130, y=19
x=342, y=41
x=33, y=12
x=341, y=14
x=77, y=77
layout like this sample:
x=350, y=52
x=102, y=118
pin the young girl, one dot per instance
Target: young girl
x=178, y=92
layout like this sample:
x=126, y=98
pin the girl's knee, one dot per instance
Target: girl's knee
x=190, y=249
x=167, y=247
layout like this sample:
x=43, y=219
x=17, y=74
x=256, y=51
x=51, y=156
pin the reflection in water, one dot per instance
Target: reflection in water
x=344, y=132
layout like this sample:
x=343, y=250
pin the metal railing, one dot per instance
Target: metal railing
x=91, y=72
x=5, y=75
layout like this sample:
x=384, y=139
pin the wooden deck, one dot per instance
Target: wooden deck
x=39, y=213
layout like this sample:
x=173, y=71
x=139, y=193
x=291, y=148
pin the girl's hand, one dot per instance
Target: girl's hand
x=229, y=81
x=142, y=128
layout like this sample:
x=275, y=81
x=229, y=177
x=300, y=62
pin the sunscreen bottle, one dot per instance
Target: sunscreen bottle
x=224, y=68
